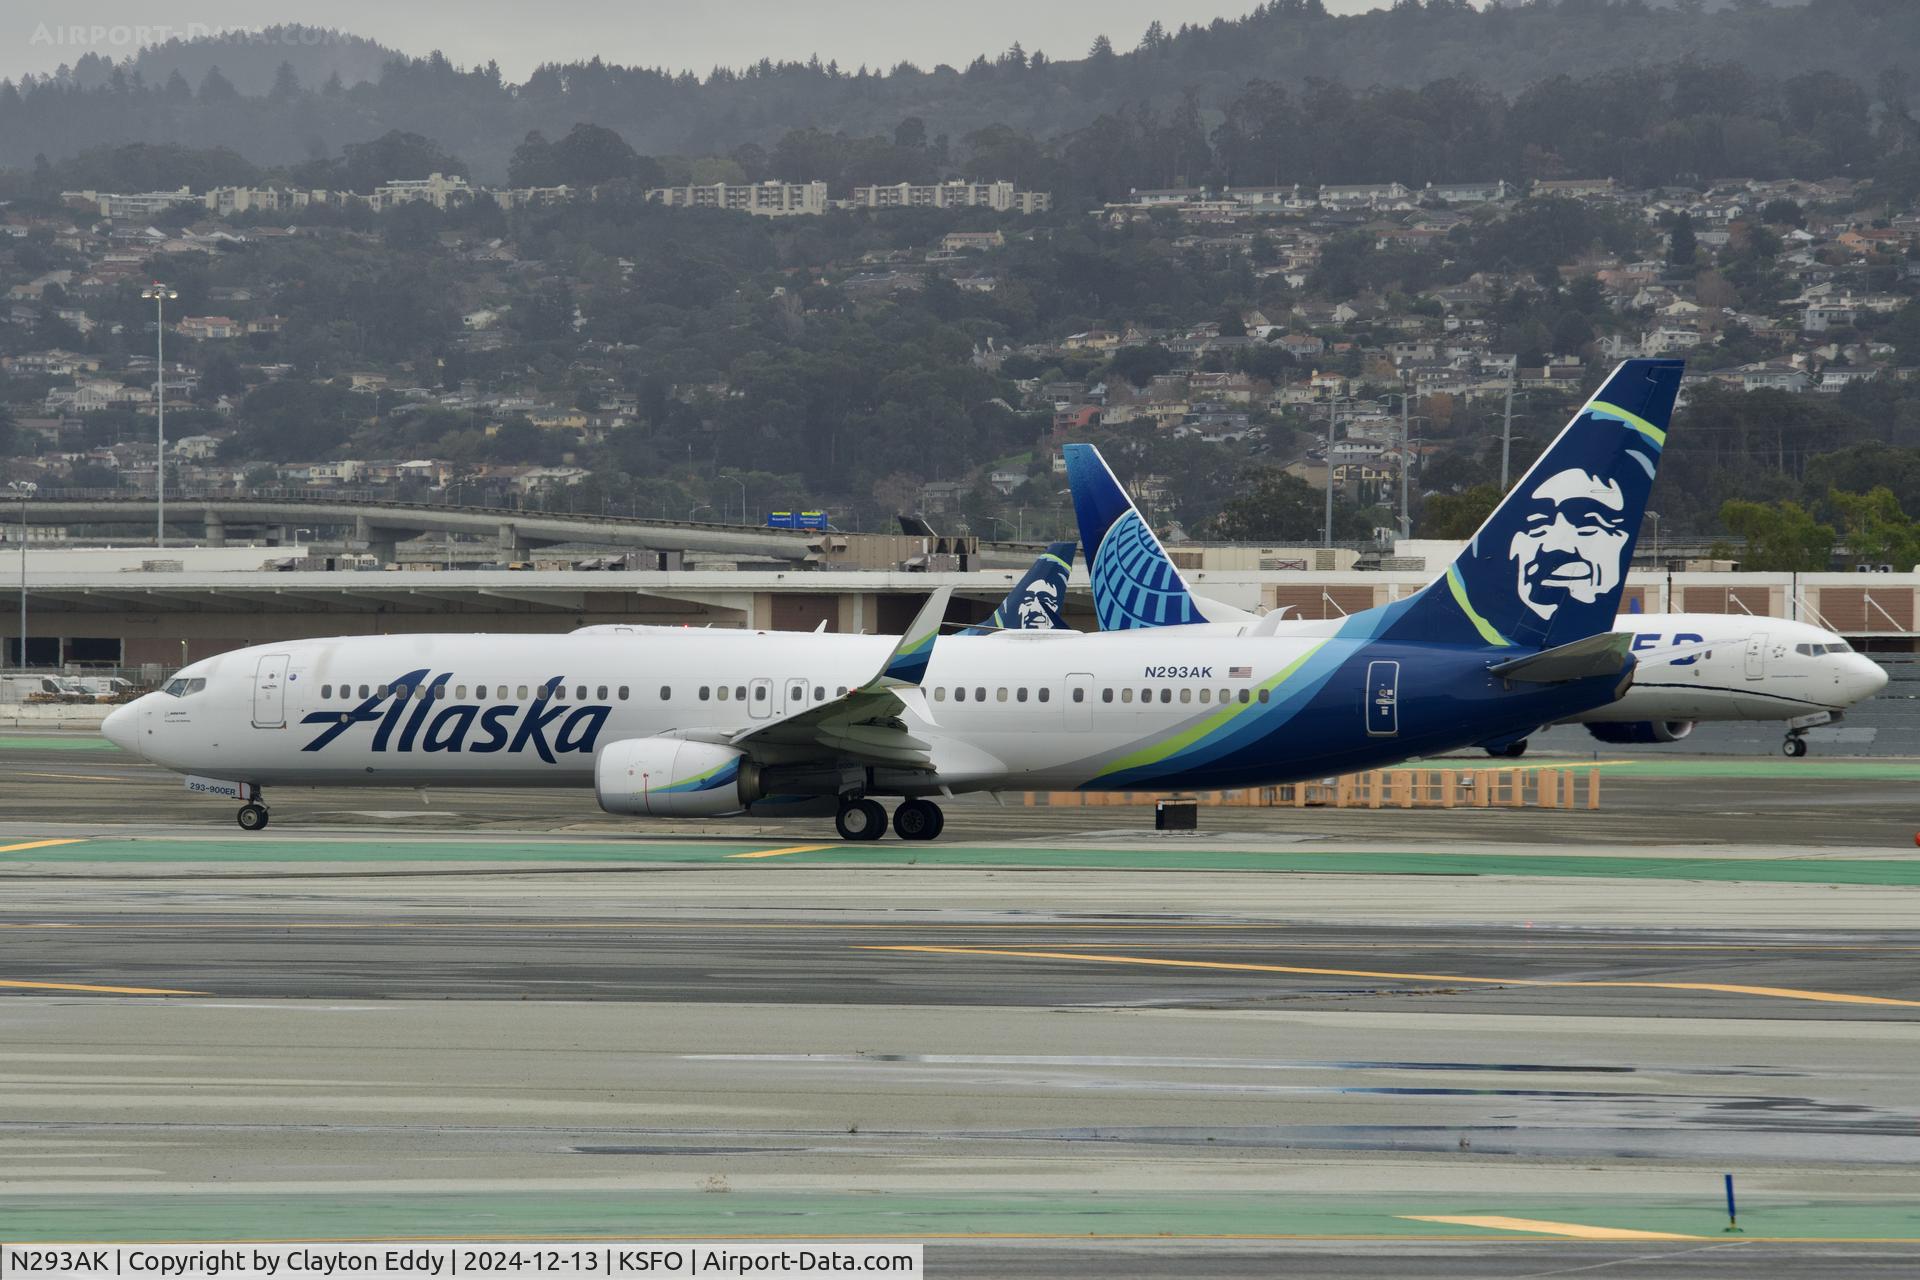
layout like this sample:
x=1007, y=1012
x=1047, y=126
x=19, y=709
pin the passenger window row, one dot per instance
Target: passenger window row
x=481, y=692
x=1166, y=695
x=738, y=693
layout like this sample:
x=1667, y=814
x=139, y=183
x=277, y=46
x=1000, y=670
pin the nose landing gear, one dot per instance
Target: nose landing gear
x=1795, y=746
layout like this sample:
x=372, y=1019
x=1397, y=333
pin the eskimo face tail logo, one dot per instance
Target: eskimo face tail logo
x=1549, y=565
x=1134, y=584
x=437, y=724
x=1572, y=542
x=1035, y=604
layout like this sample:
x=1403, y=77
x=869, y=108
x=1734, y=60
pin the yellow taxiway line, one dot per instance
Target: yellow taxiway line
x=1724, y=988
x=778, y=853
x=81, y=986
x=1575, y=1230
x=39, y=844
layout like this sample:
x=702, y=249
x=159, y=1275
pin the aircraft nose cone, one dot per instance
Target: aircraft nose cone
x=122, y=727
x=1871, y=677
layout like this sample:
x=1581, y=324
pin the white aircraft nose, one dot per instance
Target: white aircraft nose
x=122, y=727
x=1867, y=678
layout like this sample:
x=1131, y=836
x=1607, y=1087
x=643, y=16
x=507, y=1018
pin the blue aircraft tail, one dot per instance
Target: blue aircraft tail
x=1034, y=604
x=1134, y=583
x=1548, y=566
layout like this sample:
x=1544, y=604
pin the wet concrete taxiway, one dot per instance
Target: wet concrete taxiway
x=1339, y=1044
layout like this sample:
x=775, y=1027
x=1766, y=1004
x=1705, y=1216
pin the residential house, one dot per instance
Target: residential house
x=207, y=327
x=1074, y=420
x=436, y=189
x=1467, y=192
x=1366, y=195
x=1771, y=375
x=963, y=241
x=1834, y=379
x=1822, y=316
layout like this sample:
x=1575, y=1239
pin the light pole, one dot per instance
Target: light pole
x=733, y=476
x=1406, y=457
x=1333, y=415
x=1655, y=517
x=23, y=489
x=697, y=510
x=160, y=295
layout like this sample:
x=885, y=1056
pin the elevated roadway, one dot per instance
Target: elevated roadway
x=381, y=524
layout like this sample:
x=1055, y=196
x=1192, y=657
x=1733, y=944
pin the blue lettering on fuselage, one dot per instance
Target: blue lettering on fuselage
x=574, y=727
x=1648, y=640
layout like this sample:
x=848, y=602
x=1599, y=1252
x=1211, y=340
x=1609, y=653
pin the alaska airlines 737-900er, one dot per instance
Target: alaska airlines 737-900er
x=713, y=723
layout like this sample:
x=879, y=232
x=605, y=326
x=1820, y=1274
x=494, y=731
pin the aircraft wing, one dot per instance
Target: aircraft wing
x=870, y=724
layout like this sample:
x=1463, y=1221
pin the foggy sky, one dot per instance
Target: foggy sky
x=38, y=35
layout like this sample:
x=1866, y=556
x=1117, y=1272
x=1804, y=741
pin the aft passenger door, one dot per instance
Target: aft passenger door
x=1383, y=700
x=270, y=692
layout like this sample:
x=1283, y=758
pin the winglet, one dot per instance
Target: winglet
x=907, y=664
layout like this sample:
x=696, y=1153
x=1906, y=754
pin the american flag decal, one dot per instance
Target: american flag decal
x=1239, y=673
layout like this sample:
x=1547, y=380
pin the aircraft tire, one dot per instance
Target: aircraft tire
x=1794, y=747
x=1512, y=751
x=861, y=820
x=252, y=817
x=918, y=820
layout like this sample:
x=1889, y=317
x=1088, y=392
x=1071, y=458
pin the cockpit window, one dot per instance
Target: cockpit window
x=181, y=687
x=1840, y=646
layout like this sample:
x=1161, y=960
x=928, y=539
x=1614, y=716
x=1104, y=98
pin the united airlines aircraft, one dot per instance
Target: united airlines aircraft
x=1692, y=666
x=714, y=723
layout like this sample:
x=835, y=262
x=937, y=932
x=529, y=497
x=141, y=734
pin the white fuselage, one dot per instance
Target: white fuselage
x=1753, y=669
x=260, y=710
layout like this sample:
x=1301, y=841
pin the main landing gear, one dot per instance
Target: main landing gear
x=913, y=819
x=1795, y=746
x=918, y=820
x=1508, y=751
x=252, y=816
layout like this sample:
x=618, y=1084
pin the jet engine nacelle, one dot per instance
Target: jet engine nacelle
x=674, y=778
x=1640, y=732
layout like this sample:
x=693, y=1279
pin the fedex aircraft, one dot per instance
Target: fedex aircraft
x=714, y=723
x=1692, y=666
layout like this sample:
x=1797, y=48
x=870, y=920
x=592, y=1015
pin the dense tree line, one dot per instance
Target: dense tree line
x=1275, y=96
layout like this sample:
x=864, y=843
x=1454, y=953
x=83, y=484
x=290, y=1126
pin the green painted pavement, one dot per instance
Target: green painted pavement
x=1681, y=768
x=267, y=849
x=260, y=850
x=52, y=742
x=317, y=1214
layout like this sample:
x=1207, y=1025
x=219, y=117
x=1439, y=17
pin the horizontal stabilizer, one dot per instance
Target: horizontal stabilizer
x=1605, y=654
